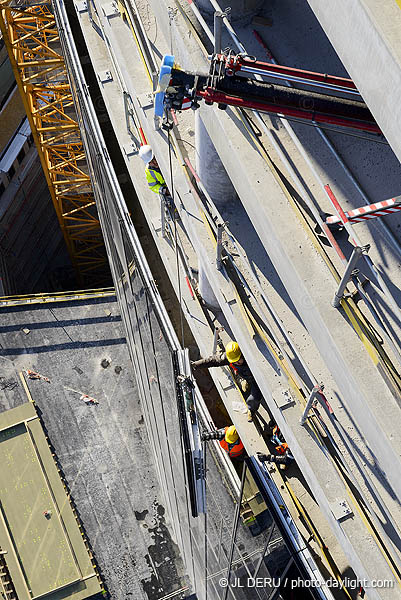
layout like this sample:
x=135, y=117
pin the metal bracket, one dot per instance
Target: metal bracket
x=130, y=149
x=350, y=271
x=340, y=509
x=283, y=398
x=81, y=6
x=104, y=76
x=312, y=397
x=110, y=10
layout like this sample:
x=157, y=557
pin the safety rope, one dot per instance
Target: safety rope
x=175, y=216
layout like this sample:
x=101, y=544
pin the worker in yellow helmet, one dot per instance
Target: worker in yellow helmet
x=229, y=441
x=233, y=358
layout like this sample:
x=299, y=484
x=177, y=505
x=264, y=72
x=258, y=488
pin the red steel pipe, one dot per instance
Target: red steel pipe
x=210, y=95
x=283, y=70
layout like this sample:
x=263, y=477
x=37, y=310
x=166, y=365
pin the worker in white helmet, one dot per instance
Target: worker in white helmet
x=153, y=174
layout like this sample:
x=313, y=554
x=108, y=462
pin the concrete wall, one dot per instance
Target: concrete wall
x=366, y=36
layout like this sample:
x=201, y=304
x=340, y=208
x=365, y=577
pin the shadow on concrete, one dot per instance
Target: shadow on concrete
x=244, y=232
x=372, y=465
x=60, y=323
x=59, y=347
x=46, y=305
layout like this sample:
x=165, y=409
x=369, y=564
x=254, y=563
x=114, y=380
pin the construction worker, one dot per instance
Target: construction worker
x=153, y=174
x=229, y=441
x=283, y=456
x=233, y=358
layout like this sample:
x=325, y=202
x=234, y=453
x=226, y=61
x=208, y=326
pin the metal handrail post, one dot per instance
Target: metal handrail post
x=315, y=391
x=217, y=330
x=218, y=26
x=163, y=216
x=219, y=246
x=355, y=256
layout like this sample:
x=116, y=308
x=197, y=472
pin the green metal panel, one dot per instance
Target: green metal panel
x=46, y=555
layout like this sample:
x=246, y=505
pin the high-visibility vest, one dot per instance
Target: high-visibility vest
x=155, y=179
x=233, y=450
x=282, y=449
x=234, y=368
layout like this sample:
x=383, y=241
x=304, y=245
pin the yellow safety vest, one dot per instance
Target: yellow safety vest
x=155, y=179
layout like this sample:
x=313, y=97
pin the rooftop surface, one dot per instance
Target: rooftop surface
x=103, y=449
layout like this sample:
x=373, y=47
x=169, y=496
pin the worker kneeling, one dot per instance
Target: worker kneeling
x=229, y=441
x=153, y=173
x=283, y=456
x=243, y=377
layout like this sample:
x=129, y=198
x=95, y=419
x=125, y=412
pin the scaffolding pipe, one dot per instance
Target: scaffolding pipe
x=218, y=26
x=315, y=391
x=349, y=271
x=219, y=246
x=162, y=216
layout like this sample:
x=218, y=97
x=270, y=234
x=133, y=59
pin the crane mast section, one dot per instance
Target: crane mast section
x=33, y=43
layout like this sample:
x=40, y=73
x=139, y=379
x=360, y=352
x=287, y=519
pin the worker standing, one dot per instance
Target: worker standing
x=153, y=174
x=229, y=441
x=233, y=358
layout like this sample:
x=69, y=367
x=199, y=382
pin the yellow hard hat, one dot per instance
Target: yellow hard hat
x=233, y=352
x=231, y=435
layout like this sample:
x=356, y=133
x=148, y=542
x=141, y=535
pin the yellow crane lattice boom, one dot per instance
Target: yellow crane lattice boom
x=30, y=34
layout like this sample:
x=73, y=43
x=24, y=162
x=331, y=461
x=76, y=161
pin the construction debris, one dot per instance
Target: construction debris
x=25, y=330
x=118, y=369
x=105, y=363
x=239, y=407
x=85, y=397
x=88, y=399
x=34, y=375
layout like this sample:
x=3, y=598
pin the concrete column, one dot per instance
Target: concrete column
x=205, y=289
x=209, y=166
x=240, y=9
x=218, y=185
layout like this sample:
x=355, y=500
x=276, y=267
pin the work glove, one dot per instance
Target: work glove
x=164, y=191
x=194, y=366
x=243, y=384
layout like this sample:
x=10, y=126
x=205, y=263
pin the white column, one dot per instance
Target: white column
x=209, y=166
x=205, y=288
x=240, y=9
x=218, y=185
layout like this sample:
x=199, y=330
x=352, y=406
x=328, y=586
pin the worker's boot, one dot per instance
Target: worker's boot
x=250, y=416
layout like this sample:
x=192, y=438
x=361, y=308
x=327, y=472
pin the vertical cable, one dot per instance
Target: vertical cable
x=175, y=215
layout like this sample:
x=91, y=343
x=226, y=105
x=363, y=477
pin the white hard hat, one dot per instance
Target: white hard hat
x=146, y=153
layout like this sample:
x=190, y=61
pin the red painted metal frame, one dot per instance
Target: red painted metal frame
x=239, y=61
x=211, y=95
